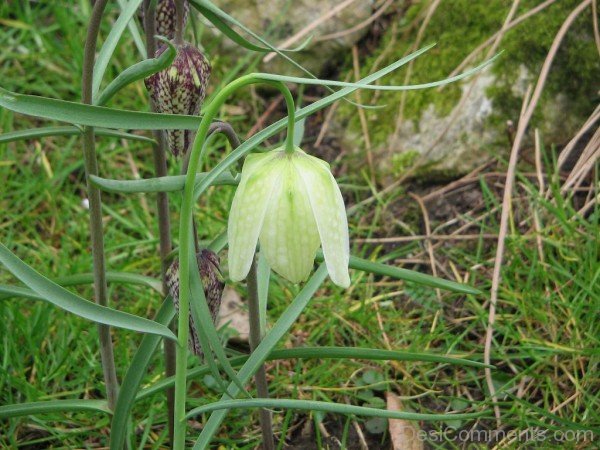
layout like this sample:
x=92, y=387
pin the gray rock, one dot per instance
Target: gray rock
x=453, y=143
x=277, y=20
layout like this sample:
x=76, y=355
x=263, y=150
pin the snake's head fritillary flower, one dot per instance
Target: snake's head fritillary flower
x=210, y=273
x=291, y=203
x=180, y=89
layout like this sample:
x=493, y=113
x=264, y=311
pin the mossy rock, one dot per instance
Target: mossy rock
x=458, y=27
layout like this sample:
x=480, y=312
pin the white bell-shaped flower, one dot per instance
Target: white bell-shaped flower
x=292, y=204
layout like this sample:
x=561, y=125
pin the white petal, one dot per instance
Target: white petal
x=330, y=214
x=248, y=211
x=289, y=236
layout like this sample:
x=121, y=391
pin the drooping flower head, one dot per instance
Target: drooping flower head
x=291, y=204
x=180, y=89
x=208, y=266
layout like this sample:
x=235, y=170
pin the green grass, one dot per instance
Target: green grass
x=546, y=348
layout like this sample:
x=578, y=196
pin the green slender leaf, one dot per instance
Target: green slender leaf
x=219, y=242
x=53, y=406
x=110, y=44
x=160, y=184
x=96, y=116
x=134, y=376
x=260, y=354
x=410, y=87
x=84, y=278
x=34, y=133
x=135, y=32
x=206, y=328
x=371, y=354
x=405, y=274
x=338, y=408
x=210, y=10
x=136, y=72
x=235, y=36
x=112, y=277
x=59, y=296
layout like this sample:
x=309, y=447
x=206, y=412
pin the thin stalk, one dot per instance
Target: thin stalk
x=179, y=17
x=185, y=235
x=256, y=335
x=96, y=232
x=162, y=206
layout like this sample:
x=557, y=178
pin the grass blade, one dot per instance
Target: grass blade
x=51, y=406
x=133, y=377
x=259, y=356
x=59, y=296
x=35, y=133
x=337, y=408
x=136, y=72
x=94, y=116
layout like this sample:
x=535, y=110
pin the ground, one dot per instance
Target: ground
x=545, y=346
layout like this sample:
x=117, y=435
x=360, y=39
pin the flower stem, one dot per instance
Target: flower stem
x=96, y=232
x=185, y=236
x=162, y=206
x=256, y=335
x=179, y=18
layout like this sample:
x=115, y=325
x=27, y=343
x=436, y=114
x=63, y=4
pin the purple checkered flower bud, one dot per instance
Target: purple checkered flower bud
x=208, y=265
x=166, y=17
x=180, y=89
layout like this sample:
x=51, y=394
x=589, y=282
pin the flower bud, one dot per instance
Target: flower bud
x=180, y=89
x=166, y=17
x=291, y=203
x=210, y=274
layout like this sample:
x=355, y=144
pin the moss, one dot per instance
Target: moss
x=458, y=26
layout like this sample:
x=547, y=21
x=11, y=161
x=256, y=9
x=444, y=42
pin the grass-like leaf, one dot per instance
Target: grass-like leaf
x=53, y=406
x=136, y=72
x=222, y=20
x=338, y=408
x=161, y=184
x=35, y=133
x=94, y=116
x=133, y=377
x=408, y=87
x=84, y=278
x=51, y=292
x=209, y=339
x=228, y=31
x=406, y=275
x=110, y=44
x=371, y=354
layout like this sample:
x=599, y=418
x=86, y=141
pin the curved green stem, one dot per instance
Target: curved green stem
x=185, y=234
